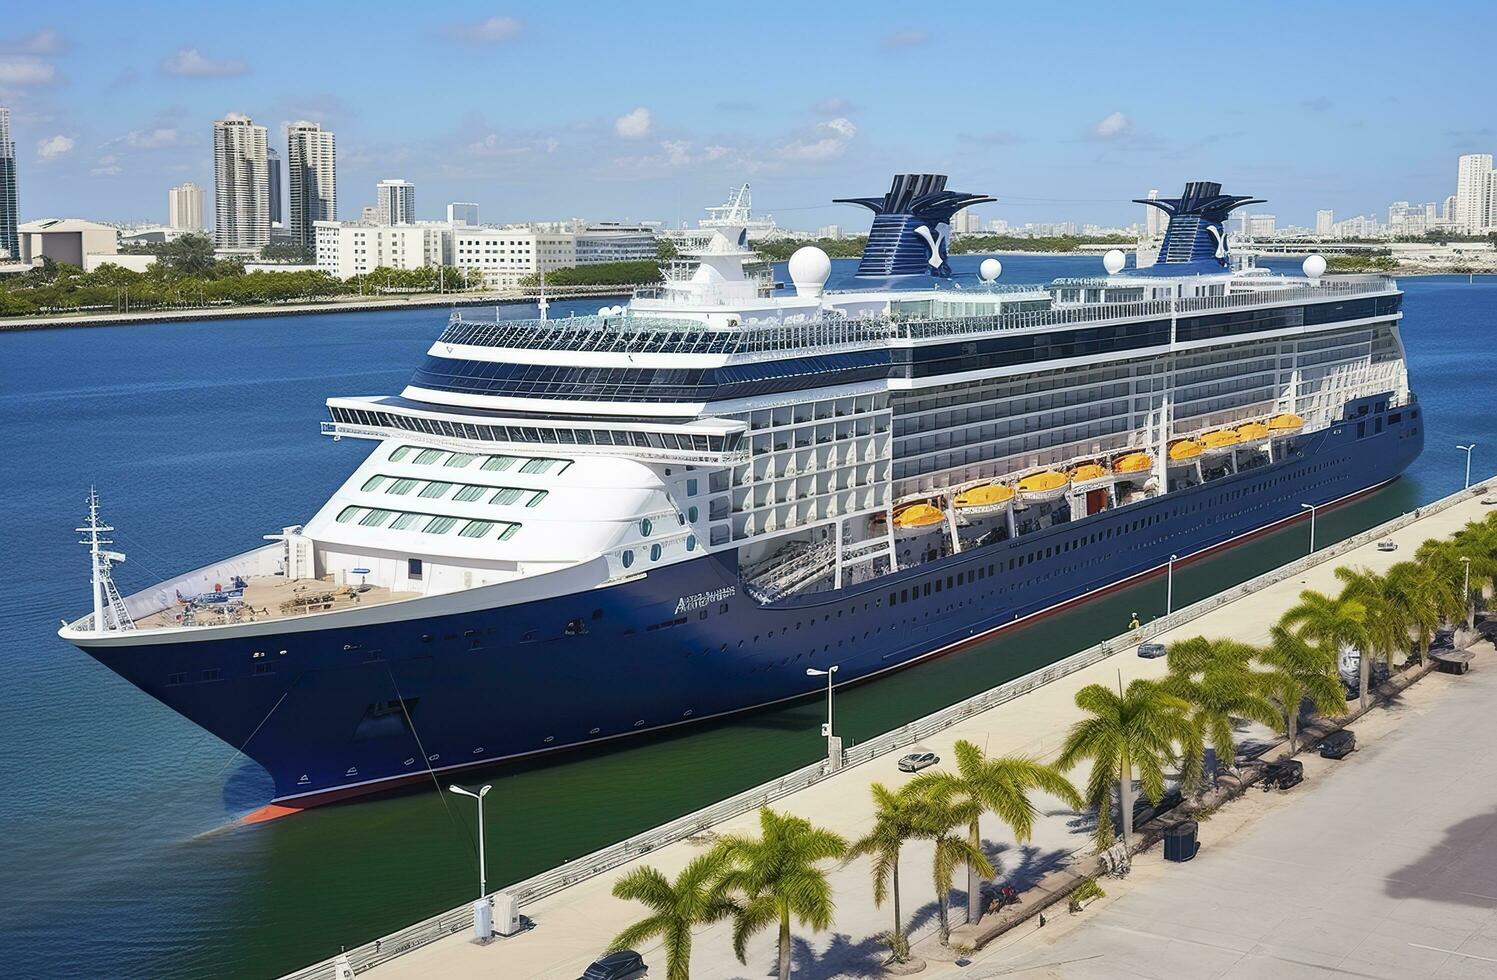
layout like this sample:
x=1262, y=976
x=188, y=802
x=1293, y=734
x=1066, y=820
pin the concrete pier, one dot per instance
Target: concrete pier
x=575, y=920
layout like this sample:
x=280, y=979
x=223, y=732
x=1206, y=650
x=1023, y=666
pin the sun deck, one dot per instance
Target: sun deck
x=270, y=597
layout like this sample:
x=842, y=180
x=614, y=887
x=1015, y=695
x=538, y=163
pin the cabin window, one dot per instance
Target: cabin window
x=413, y=568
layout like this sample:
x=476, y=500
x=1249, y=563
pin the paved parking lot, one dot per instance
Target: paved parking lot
x=1381, y=866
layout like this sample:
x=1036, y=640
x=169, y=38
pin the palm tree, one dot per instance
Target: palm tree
x=1427, y=599
x=1215, y=678
x=1385, y=618
x=777, y=875
x=1138, y=728
x=942, y=820
x=896, y=819
x=693, y=898
x=1298, y=670
x=1332, y=622
x=1000, y=786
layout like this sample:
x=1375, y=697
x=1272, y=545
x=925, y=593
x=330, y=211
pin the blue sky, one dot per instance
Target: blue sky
x=1063, y=111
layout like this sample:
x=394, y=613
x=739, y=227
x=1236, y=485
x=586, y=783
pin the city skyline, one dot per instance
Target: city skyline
x=104, y=135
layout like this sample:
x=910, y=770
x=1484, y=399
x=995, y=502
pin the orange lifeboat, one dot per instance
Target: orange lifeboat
x=980, y=499
x=1185, y=451
x=1252, y=432
x=1134, y=463
x=1286, y=424
x=1040, y=487
x=918, y=515
x=1221, y=441
x=1090, y=474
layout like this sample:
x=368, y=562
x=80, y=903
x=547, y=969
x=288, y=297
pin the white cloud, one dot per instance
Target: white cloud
x=491, y=31
x=152, y=139
x=23, y=70
x=54, y=146
x=494, y=145
x=827, y=141
x=106, y=166
x=905, y=39
x=1111, y=126
x=192, y=63
x=634, y=124
x=45, y=41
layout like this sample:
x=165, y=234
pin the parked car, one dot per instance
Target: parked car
x=1338, y=745
x=1387, y=545
x=626, y=964
x=1149, y=651
x=916, y=761
x=1284, y=774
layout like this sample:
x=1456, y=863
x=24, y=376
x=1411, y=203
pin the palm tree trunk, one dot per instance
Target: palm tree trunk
x=974, y=880
x=941, y=902
x=1364, y=676
x=785, y=944
x=1125, y=798
x=898, y=943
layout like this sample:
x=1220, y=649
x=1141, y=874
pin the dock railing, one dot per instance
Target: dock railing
x=550, y=882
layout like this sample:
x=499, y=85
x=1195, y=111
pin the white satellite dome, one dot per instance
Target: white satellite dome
x=990, y=270
x=1313, y=266
x=1114, y=261
x=809, y=270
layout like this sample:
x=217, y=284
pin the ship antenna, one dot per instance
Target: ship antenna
x=544, y=306
x=105, y=593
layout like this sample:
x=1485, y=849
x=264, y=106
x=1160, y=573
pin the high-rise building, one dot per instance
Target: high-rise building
x=1492, y=201
x=1408, y=219
x=10, y=243
x=1155, y=220
x=1257, y=225
x=184, y=207
x=1447, y=210
x=241, y=183
x=462, y=213
x=965, y=222
x=395, y=202
x=1473, y=183
x=312, y=178
x=1325, y=219
x=276, y=211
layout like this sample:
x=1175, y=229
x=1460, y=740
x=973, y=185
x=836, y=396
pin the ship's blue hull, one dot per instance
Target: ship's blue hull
x=353, y=709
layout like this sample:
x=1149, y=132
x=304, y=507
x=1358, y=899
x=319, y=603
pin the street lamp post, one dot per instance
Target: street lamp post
x=1466, y=593
x=1311, y=509
x=1169, y=588
x=1467, y=451
x=829, y=673
x=483, y=882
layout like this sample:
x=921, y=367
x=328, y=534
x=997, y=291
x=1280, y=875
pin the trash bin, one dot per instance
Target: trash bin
x=1180, y=841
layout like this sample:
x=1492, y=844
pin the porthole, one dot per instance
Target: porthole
x=410, y=762
x=691, y=514
x=687, y=713
x=645, y=527
x=639, y=723
x=628, y=558
x=654, y=552
x=691, y=542
x=594, y=731
x=549, y=739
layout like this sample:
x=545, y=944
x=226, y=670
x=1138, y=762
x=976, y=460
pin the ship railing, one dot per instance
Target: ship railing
x=700, y=823
x=778, y=580
x=641, y=333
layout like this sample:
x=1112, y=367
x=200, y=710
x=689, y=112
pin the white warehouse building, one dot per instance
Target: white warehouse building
x=346, y=248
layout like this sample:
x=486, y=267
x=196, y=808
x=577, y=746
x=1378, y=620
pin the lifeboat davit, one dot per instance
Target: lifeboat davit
x=1185, y=451
x=917, y=516
x=1252, y=432
x=982, y=500
x=1089, y=475
x=1285, y=425
x=1219, y=442
x=1042, y=487
x=1133, y=463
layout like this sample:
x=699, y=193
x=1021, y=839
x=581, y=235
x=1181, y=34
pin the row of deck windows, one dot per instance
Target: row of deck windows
x=467, y=492
x=427, y=523
x=495, y=463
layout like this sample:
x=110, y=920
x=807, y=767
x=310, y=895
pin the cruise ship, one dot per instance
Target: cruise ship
x=571, y=530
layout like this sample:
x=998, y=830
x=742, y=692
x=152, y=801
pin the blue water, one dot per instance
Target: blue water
x=204, y=436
